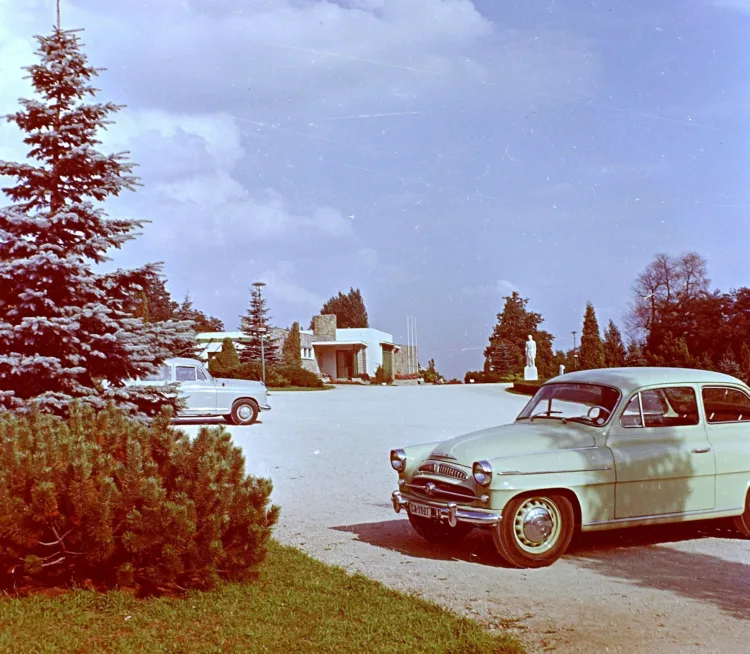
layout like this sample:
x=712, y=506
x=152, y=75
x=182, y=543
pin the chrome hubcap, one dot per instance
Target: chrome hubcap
x=245, y=412
x=537, y=525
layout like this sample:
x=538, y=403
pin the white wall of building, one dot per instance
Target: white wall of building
x=327, y=361
x=373, y=338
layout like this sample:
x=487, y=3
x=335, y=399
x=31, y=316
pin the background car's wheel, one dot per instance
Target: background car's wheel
x=439, y=532
x=535, y=530
x=244, y=412
x=742, y=522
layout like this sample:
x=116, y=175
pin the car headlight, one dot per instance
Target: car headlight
x=482, y=472
x=398, y=460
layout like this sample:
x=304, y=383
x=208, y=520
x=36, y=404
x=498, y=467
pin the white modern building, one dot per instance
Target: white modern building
x=329, y=351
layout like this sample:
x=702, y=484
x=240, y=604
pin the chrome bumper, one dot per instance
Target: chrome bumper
x=450, y=512
x=265, y=407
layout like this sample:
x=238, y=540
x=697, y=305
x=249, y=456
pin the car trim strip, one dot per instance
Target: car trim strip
x=511, y=473
x=661, y=516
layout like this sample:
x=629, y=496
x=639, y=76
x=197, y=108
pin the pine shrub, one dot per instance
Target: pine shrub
x=99, y=496
x=300, y=377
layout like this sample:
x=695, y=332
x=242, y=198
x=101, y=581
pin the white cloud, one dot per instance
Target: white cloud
x=281, y=283
x=739, y=5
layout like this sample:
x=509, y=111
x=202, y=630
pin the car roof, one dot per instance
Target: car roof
x=630, y=379
x=183, y=361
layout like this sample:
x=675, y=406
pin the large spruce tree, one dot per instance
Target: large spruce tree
x=591, y=354
x=65, y=330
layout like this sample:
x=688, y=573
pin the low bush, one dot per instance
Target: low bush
x=301, y=377
x=381, y=377
x=486, y=377
x=103, y=498
x=411, y=375
x=527, y=387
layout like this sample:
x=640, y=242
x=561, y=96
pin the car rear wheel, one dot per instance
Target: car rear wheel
x=535, y=530
x=244, y=412
x=742, y=522
x=437, y=532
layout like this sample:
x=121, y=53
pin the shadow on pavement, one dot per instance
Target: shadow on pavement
x=693, y=575
x=399, y=536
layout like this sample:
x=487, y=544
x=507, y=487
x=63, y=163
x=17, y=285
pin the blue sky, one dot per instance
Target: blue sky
x=435, y=153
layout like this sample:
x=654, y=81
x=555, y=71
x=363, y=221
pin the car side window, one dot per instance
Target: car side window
x=185, y=373
x=670, y=407
x=201, y=375
x=631, y=417
x=662, y=407
x=723, y=404
x=164, y=374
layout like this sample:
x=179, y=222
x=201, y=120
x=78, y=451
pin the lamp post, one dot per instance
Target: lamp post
x=575, y=354
x=262, y=335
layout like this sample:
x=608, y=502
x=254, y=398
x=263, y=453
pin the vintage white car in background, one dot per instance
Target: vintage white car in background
x=236, y=400
x=592, y=450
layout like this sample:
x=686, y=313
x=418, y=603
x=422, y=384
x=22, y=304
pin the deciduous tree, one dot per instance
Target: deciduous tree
x=349, y=309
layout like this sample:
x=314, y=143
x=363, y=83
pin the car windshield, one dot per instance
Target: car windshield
x=589, y=403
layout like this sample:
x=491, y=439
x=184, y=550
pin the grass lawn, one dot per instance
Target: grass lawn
x=296, y=605
x=326, y=387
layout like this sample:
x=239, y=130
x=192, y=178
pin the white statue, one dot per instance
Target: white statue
x=530, y=372
x=530, y=352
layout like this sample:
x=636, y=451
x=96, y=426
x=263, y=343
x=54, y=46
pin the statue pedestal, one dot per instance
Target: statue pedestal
x=530, y=373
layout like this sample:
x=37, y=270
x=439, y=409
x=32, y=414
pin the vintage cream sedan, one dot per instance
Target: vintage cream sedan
x=238, y=401
x=592, y=450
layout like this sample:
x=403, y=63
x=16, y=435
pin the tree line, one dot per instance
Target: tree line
x=674, y=319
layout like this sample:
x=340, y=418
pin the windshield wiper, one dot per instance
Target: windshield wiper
x=545, y=414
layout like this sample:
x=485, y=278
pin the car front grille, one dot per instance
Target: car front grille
x=441, y=490
x=442, y=469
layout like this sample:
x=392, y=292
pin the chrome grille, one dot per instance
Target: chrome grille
x=437, y=489
x=443, y=469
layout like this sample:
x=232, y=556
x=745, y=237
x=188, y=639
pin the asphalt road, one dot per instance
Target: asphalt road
x=669, y=589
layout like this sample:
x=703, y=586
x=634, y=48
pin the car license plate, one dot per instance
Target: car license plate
x=420, y=509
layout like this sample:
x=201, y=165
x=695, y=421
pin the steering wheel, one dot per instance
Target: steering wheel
x=600, y=414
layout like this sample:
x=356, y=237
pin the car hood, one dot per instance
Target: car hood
x=516, y=439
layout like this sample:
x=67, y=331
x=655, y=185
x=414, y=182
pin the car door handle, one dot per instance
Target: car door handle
x=701, y=450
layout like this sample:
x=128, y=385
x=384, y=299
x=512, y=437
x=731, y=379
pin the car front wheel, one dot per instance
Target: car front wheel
x=535, y=530
x=437, y=532
x=244, y=412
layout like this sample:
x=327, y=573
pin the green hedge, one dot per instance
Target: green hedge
x=527, y=387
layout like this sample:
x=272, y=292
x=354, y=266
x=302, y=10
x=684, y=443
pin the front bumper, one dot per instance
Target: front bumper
x=265, y=407
x=450, y=512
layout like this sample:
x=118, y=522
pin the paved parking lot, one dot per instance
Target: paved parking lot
x=670, y=589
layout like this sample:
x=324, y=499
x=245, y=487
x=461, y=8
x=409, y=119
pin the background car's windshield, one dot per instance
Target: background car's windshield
x=572, y=401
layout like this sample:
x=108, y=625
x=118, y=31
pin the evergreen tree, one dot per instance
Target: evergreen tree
x=227, y=362
x=614, y=349
x=505, y=353
x=634, y=357
x=292, y=350
x=591, y=353
x=254, y=325
x=65, y=331
x=348, y=308
x=161, y=306
x=674, y=353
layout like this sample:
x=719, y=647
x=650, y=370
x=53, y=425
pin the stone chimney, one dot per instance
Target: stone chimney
x=324, y=327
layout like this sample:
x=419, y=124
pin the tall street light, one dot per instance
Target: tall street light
x=575, y=354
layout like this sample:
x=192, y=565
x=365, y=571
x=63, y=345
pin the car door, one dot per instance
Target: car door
x=664, y=463
x=199, y=390
x=727, y=413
